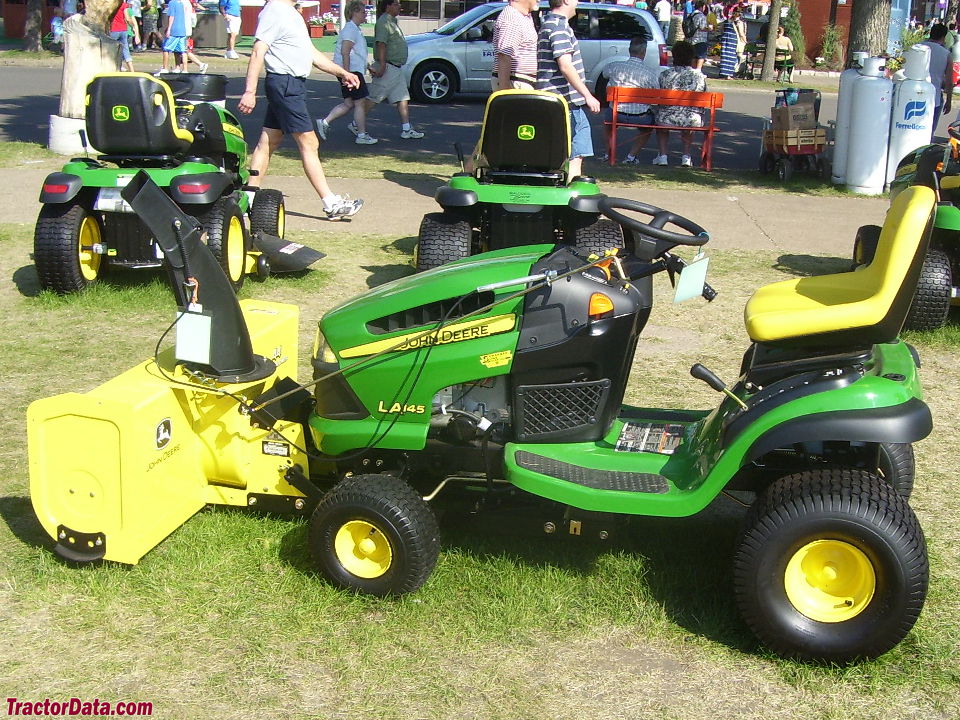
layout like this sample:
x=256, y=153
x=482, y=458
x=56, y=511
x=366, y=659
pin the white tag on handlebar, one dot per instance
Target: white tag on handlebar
x=691, y=280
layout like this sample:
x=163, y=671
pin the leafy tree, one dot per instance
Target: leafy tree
x=792, y=28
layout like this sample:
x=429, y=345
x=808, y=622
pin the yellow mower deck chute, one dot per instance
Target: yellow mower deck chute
x=116, y=470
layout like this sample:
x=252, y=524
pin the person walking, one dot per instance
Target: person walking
x=515, y=47
x=701, y=34
x=941, y=71
x=175, y=38
x=230, y=9
x=151, y=38
x=560, y=71
x=191, y=9
x=387, y=83
x=664, y=11
x=682, y=76
x=351, y=53
x=632, y=73
x=122, y=24
x=283, y=46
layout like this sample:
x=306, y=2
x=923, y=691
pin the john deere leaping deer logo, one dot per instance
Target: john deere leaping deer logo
x=120, y=113
x=526, y=132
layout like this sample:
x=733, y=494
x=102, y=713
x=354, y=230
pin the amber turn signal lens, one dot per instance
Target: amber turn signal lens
x=600, y=305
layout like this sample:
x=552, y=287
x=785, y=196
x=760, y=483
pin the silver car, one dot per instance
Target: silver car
x=458, y=56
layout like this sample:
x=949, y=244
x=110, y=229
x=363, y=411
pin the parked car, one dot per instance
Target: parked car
x=458, y=56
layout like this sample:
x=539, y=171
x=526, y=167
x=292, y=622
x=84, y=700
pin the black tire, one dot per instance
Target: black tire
x=598, y=237
x=784, y=169
x=848, y=523
x=59, y=238
x=374, y=534
x=443, y=238
x=268, y=214
x=931, y=301
x=767, y=163
x=897, y=466
x=434, y=82
x=865, y=245
x=227, y=238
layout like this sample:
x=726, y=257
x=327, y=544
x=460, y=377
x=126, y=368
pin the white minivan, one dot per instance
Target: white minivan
x=458, y=56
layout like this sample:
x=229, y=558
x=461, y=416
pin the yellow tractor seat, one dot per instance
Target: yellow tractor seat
x=133, y=115
x=857, y=308
x=525, y=138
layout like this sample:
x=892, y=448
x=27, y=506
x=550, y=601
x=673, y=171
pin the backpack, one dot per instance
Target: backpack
x=689, y=24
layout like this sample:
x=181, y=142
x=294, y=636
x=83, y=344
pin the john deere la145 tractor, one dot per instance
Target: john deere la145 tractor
x=505, y=373
x=194, y=150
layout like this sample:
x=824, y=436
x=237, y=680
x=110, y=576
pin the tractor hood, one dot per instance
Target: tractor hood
x=417, y=302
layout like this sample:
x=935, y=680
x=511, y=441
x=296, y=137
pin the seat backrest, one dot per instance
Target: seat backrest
x=133, y=114
x=525, y=131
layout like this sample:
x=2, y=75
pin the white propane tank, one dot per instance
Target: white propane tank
x=841, y=135
x=911, y=124
x=866, y=170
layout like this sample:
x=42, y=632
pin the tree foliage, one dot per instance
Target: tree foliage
x=793, y=30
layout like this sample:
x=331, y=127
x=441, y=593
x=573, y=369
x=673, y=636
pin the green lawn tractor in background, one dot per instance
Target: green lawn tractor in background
x=520, y=193
x=938, y=289
x=194, y=150
x=502, y=376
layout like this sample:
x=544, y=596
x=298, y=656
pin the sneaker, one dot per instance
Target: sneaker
x=231, y=55
x=203, y=68
x=660, y=160
x=343, y=207
x=632, y=161
x=603, y=157
x=323, y=127
x=161, y=71
x=411, y=134
x=364, y=139
x=685, y=161
x=352, y=127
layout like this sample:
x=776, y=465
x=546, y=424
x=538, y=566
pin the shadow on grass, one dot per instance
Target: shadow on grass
x=17, y=513
x=809, y=265
x=27, y=281
x=380, y=274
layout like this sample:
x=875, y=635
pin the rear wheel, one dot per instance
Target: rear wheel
x=832, y=566
x=227, y=238
x=63, y=248
x=443, y=238
x=268, y=214
x=767, y=163
x=598, y=237
x=931, y=301
x=374, y=534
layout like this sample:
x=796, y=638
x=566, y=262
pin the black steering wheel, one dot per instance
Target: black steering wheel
x=610, y=207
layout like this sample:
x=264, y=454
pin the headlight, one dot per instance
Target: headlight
x=322, y=351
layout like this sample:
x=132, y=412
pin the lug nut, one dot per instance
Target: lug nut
x=549, y=528
x=604, y=534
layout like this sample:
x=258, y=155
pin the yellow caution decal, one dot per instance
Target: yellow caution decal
x=457, y=332
x=497, y=359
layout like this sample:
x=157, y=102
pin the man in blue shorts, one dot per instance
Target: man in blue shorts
x=560, y=71
x=283, y=45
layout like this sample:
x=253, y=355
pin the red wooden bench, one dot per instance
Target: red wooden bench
x=712, y=101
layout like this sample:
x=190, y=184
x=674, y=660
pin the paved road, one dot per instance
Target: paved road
x=29, y=95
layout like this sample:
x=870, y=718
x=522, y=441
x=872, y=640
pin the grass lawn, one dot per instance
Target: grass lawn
x=226, y=618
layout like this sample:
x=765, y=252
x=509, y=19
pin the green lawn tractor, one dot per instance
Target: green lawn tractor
x=520, y=193
x=503, y=375
x=194, y=150
x=938, y=289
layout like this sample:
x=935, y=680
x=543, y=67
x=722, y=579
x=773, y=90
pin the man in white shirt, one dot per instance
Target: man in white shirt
x=664, y=11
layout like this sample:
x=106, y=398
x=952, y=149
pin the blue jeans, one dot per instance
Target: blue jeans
x=582, y=137
x=121, y=37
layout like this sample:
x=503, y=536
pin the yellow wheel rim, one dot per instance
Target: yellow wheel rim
x=235, y=249
x=89, y=260
x=830, y=581
x=362, y=549
x=281, y=221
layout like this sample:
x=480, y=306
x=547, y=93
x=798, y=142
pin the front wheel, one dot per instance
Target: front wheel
x=227, y=238
x=374, y=534
x=433, y=83
x=64, y=251
x=784, y=169
x=832, y=566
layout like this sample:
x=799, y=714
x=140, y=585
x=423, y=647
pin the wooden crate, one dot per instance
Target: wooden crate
x=781, y=140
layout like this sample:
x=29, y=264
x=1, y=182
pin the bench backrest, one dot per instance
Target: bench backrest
x=648, y=96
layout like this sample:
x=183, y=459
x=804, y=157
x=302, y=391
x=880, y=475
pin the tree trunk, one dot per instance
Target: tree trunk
x=869, y=25
x=770, y=54
x=33, y=29
x=953, y=7
x=87, y=51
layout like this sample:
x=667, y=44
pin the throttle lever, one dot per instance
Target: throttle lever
x=702, y=373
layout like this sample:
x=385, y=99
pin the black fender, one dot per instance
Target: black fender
x=199, y=189
x=586, y=203
x=904, y=423
x=60, y=187
x=449, y=197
